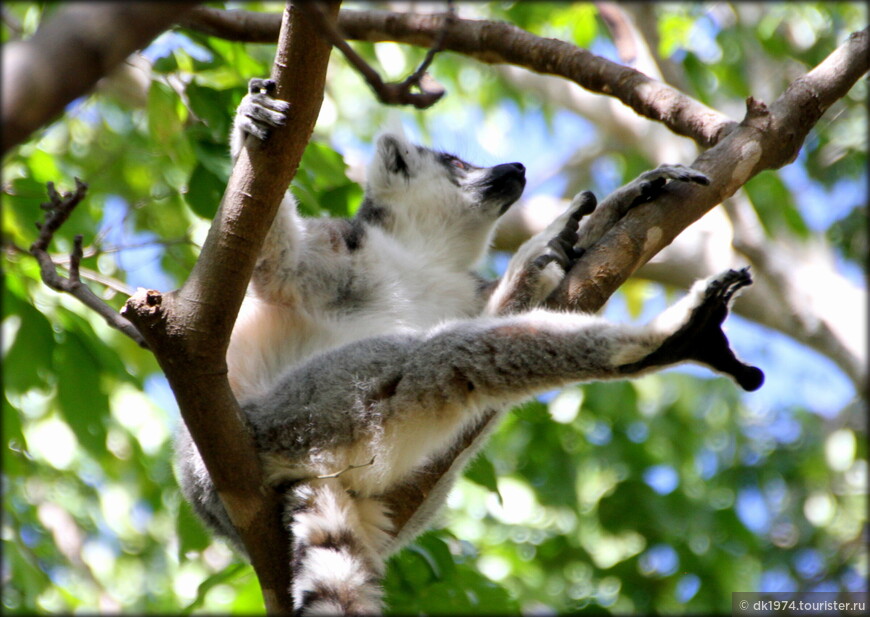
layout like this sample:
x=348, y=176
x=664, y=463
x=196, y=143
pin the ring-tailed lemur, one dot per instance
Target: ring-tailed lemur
x=366, y=346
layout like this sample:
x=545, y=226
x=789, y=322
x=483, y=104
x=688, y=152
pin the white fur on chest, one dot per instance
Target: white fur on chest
x=416, y=290
x=407, y=290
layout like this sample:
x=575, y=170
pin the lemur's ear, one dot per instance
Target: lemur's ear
x=393, y=151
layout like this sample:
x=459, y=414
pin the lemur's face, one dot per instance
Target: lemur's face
x=419, y=187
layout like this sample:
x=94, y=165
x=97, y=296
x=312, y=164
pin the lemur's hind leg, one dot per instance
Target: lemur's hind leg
x=701, y=338
x=541, y=262
x=649, y=186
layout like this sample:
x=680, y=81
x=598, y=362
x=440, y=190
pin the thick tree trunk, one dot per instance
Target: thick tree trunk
x=189, y=329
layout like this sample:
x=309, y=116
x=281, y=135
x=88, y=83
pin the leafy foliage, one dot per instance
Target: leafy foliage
x=661, y=495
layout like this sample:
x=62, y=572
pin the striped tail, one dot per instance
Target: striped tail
x=337, y=541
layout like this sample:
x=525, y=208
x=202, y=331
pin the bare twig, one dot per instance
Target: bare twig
x=57, y=211
x=415, y=78
x=390, y=93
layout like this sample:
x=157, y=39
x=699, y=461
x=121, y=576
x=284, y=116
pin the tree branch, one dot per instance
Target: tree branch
x=189, y=329
x=501, y=43
x=766, y=139
x=57, y=211
x=66, y=56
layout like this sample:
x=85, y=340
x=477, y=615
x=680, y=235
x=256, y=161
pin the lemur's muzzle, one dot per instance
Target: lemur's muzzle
x=504, y=184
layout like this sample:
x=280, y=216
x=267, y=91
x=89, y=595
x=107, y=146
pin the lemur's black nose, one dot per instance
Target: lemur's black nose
x=519, y=167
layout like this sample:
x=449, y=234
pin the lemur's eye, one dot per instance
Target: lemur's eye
x=458, y=164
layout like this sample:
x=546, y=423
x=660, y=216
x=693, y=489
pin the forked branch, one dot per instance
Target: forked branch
x=57, y=210
x=389, y=93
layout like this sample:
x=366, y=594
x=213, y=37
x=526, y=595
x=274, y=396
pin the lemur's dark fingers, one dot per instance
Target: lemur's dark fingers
x=542, y=261
x=270, y=117
x=680, y=173
x=649, y=190
x=748, y=377
x=727, y=284
x=701, y=337
x=651, y=184
x=713, y=348
x=697, y=177
x=261, y=91
x=584, y=203
x=256, y=85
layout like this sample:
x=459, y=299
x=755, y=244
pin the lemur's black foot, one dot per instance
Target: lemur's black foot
x=259, y=112
x=561, y=247
x=701, y=338
x=652, y=183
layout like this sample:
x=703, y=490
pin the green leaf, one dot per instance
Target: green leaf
x=164, y=122
x=14, y=441
x=481, y=471
x=212, y=107
x=166, y=64
x=204, y=192
x=28, y=361
x=214, y=157
x=81, y=398
x=775, y=204
x=192, y=536
x=325, y=166
x=43, y=167
x=228, y=574
x=110, y=363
